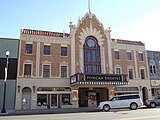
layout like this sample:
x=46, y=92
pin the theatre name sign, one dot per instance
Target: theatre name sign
x=102, y=77
x=81, y=78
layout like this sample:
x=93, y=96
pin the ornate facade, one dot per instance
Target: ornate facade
x=80, y=68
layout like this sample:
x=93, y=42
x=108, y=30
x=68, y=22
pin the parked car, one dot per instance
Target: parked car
x=132, y=101
x=152, y=103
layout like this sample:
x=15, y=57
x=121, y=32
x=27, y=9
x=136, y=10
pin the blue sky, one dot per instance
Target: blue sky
x=137, y=20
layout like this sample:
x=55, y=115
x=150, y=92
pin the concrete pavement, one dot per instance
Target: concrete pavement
x=59, y=111
x=49, y=111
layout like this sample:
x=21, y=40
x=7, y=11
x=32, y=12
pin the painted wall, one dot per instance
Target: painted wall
x=10, y=94
x=8, y=44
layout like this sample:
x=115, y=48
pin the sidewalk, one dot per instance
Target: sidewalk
x=58, y=111
x=49, y=111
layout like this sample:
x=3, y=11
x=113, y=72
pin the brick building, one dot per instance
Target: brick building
x=154, y=70
x=80, y=68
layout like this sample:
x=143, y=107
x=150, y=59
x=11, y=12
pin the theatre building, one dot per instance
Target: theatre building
x=78, y=69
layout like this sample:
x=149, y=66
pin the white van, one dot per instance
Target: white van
x=132, y=101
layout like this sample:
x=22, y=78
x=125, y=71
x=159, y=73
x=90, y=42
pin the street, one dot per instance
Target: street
x=140, y=114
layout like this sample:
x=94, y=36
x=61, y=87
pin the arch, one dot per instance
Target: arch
x=26, y=89
x=151, y=62
x=26, y=98
x=92, y=59
x=152, y=65
x=144, y=93
x=97, y=34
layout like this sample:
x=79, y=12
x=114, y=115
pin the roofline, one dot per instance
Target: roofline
x=43, y=33
x=10, y=38
x=127, y=42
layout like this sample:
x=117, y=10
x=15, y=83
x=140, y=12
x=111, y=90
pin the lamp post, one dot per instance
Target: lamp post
x=4, y=94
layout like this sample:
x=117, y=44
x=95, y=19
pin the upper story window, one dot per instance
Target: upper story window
x=152, y=66
x=27, y=70
x=46, y=71
x=130, y=73
x=47, y=50
x=63, y=51
x=142, y=73
x=117, y=70
x=92, y=57
x=129, y=57
x=116, y=55
x=140, y=56
x=28, y=49
x=64, y=71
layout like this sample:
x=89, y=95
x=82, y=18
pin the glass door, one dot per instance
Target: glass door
x=26, y=101
x=54, y=101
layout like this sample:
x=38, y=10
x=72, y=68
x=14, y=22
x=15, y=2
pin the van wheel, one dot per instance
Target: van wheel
x=152, y=105
x=133, y=106
x=106, y=108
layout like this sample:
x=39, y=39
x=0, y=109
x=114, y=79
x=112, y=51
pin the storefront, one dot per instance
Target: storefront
x=95, y=88
x=155, y=84
x=53, y=97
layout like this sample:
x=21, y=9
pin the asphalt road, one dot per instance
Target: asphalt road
x=140, y=114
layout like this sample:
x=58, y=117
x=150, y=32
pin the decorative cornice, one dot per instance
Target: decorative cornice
x=91, y=32
x=45, y=39
x=127, y=47
x=43, y=33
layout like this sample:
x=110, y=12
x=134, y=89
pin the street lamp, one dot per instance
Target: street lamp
x=4, y=94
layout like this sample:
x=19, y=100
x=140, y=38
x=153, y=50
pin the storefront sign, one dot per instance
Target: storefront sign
x=155, y=83
x=102, y=77
x=81, y=78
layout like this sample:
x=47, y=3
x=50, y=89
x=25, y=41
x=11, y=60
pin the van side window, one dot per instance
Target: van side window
x=129, y=97
x=134, y=96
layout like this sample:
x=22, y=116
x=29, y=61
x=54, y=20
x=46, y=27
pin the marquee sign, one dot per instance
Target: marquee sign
x=102, y=77
x=81, y=78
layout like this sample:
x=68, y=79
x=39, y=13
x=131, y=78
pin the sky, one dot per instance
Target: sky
x=136, y=20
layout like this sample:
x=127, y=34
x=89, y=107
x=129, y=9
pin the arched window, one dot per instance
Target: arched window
x=92, y=57
x=152, y=66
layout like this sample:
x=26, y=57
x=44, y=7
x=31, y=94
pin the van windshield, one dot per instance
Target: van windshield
x=114, y=99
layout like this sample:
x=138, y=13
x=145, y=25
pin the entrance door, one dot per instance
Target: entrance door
x=54, y=101
x=144, y=94
x=26, y=98
x=92, y=101
x=26, y=101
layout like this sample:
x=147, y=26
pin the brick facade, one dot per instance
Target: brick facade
x=89, y=25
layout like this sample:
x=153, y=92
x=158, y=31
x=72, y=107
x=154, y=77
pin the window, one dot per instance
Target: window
x=152, y=66
x=140, y=56
x=65, y=99
x=129, y=57
x=28, y=49
x=129, y=97
x=47, y=50
x=46, y=71
x=126, y=89
x=116, y=55
x=42, y=100
x=130, y=73
x=142, y=73
x=117, y=71
x=63, y=71
x=63, y=51
x=27, y=70
x=92, y=57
